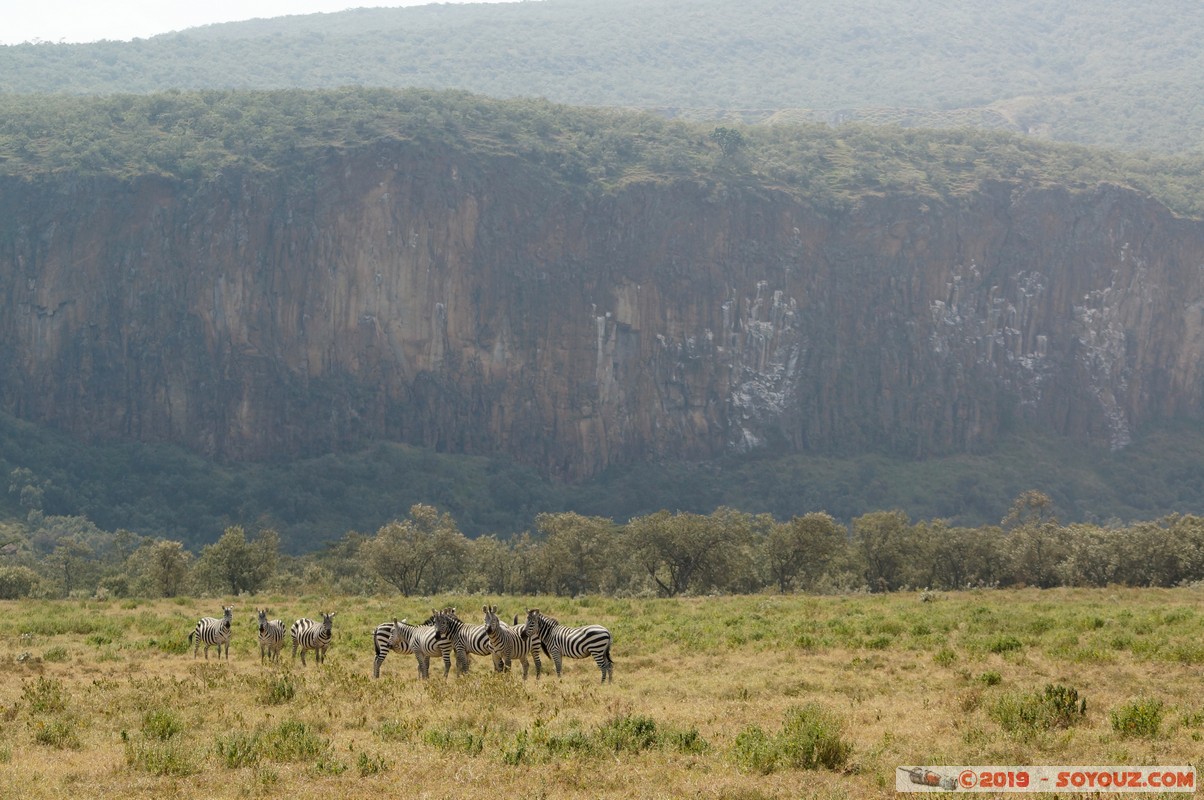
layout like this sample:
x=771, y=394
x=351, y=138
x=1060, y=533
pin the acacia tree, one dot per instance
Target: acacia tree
x=798, y=552
x=880, y=540
x=1035, y=542
x=161, y=567
x=576, y=552
x=233, y=562
x=424, y=551
x=685, y=551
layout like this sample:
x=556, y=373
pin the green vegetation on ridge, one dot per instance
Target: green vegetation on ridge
x=1112, y=73
x=193, y=136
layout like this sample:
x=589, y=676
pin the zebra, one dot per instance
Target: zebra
x=560, y=641
x=509, y=642
x=310, y=635
x=466, y=640
x=271, y=637
x=426, y=641
x=210, y=631
x=396, y=636
x=388, y=636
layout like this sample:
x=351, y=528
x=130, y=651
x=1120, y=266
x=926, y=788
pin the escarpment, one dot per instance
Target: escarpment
x=462, y=302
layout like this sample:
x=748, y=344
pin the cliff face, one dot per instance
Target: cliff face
x=464, y=303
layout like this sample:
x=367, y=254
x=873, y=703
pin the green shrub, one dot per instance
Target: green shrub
x=45, y=696
x=628, y=734
x=279, y=690
x=1004, y=644
x=160, y=757
x=755, y=751
x=1055, y=707
x=294, y=741
x=944, y=657
x=239, y=750
x=17, y=582
x=1140, y=718
x=161, y=724
x=991, y=678
x=457, y=740
x=398, y=730
x=810, y=739
x=58, y=730
x=55, y=654
x=371, y=764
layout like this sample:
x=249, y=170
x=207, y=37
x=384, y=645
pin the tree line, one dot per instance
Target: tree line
x=665, y=554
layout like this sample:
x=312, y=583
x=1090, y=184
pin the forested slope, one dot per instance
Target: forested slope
x=1116, y=73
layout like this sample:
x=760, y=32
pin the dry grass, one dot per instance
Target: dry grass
x=99, y=699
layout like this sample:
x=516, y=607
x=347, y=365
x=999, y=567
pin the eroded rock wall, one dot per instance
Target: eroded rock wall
x=470, y=304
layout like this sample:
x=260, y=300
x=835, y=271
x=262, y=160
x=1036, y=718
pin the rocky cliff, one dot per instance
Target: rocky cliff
x=464, y=303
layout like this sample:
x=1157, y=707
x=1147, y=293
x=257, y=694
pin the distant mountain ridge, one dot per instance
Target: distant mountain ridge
x=1112, y=73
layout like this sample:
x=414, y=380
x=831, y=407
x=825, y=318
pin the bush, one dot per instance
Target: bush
x=294, y=741
x=279, y=690
x=161, y=724
x=810, y=739
x=1142, y=718
x=160, y=757
x=1055, y=707
x=17, y=582
x=59, y=730
x=239, y=750
x=631, y=734
x=45, y=696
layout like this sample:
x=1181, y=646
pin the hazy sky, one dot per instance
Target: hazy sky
x=93, y=20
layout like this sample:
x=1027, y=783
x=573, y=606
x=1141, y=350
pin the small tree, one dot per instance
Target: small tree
x=160, y=568
x=239, y=565
x=799, y=551
x=426, y=551
x=729, y=140
x=576, y=552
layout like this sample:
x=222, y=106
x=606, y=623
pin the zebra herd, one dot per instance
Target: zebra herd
x=442, y=634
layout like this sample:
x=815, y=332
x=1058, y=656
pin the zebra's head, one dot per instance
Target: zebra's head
x=395, y=634
x=446, y=622
x=228, y=617
x=533, y=616
x=492, y=623
x=327, y=619
x=263, y=619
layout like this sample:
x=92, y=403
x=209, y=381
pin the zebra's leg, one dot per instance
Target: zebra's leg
x=523, y=660
x=556, y=659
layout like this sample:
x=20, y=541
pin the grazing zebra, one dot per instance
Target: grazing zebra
x=310, y=635
x=271, y=637
x=210, y=631
x=561, y=641
x=510, y=643
x=466, y=640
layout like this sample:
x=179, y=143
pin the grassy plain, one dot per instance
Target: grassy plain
x=101, y=699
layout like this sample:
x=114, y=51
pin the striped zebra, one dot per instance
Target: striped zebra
x=271, y=637
x=511, y=643
x=310, y=635
x=426, y=641
x=561, y=641
x=396, y=636
x=210, y=631
x=465, y=639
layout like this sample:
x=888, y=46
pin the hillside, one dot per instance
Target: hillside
x=1111, y=73
x=275, y=276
